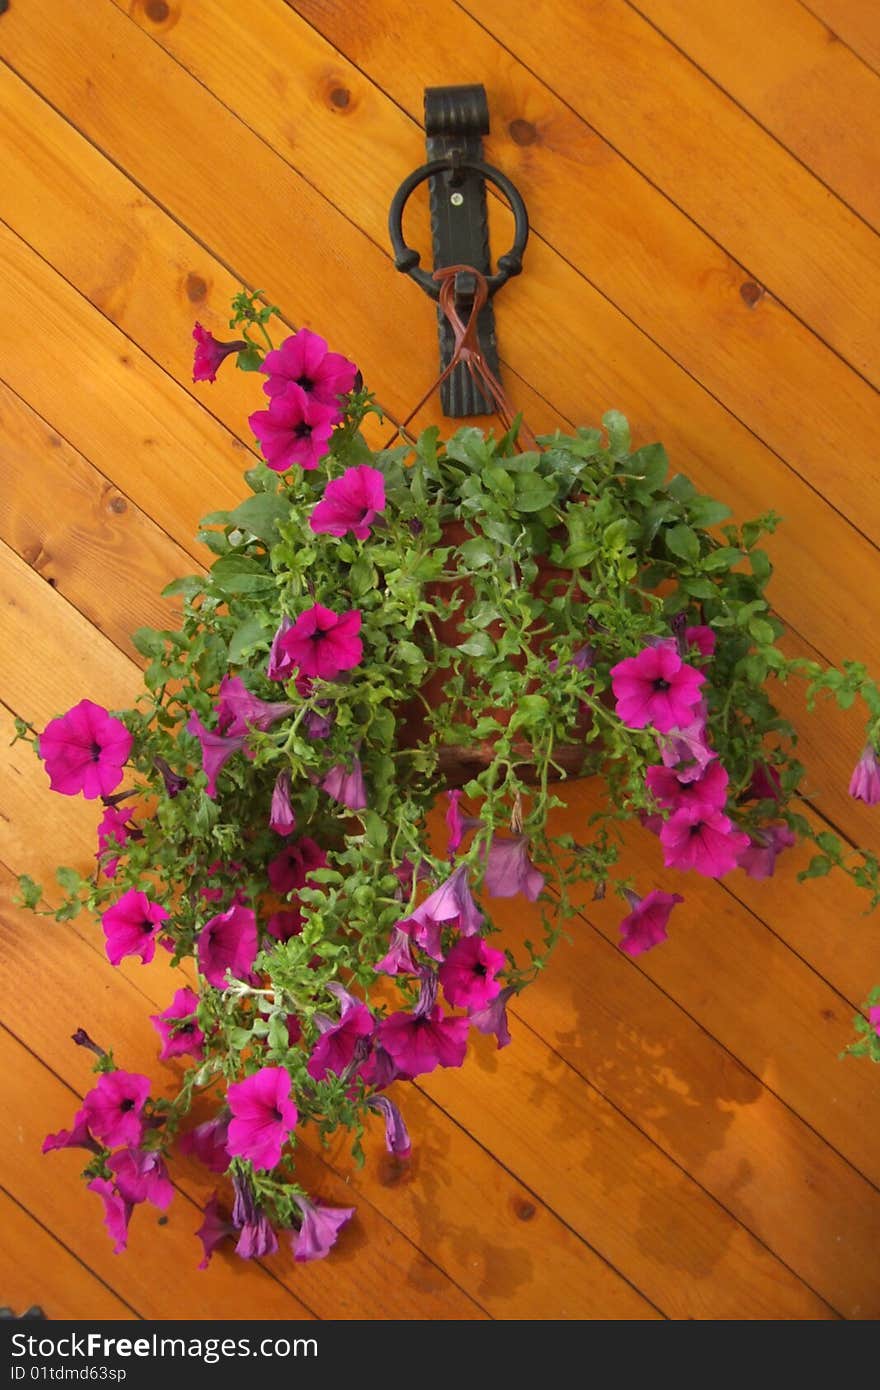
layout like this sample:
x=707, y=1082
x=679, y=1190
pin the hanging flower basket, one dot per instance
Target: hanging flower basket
x=473, y=619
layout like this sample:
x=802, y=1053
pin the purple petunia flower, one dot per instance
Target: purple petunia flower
x=468, y=974
x=256, y=1234
x=320, y=643
x=117, y=1212
x=76, y=1138
x=399, y=958
x=214, y=1229
x=263, y=1116
x=85, y=751
x=703, y=839
x=337, y=1047
x=113, y=1108
x=295, y=429
x=670, y=792
x=289, y=870
x=140, y=1175
x=350, y=503
x=397, y=1140
x=765, y=845
x=645, y=926
x=493, y=1017
x=216, y=751
x=451, y=904
x=348, y=788
x=282, y=817
x=510, y=871
x=187, y=1037
x=318, y=1230
x=174, y=783
x=657, y=688
x=113, y=831
x=281, y=665
x=865, y=782
x=207, y=1143
x=228, y=942
x=303, y=360
x=686, y=748
x=238, y=711
x=210, y=353
x=131, y=926
x=580, y=659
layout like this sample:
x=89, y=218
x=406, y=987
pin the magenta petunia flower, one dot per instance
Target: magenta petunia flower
x=468, y=974
x=766, y=784
x=510, y=871
x=228, y=942
x=397, y=1140
x=760, y=855
x=131, y=926
x=113, y=831
x=701, y=838
x=113, y=1108
x=216, y=751
x=85, y=751
x=76, y=1138
x=318, y=1230
x=865, y=782
x=281, y=666
x=581, y=659
x=283, y=925
x=645, y=926
x=263, y=1115
x=420, y=1042
x=350, y=503
x=670, y=792
x=207, y=1143
x=215, y=1228
x=874, y=1018
x=303, y=360
x=493, y=1017
x=117, y=1212
x=282, y=817
x=322, y=643
x=701, y=637
x=238, y=711
x=451, y=904
x=178, y=1029
x=141, y=1176
x=256, y=1236
x=687, y=749
x=348, y=788
x=337, y=1047
x=210, y=353
x=399, y=959
x=289, y=870
x=454, y=822
x=295, y=429
x=657, y=688
x=379, y=1068
x=174, y=783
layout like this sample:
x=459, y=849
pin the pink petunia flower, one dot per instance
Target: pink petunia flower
x=140, y=1175
x=131, y=926
x=492, y=1018
x=760, y=855
x=289, y=870
x=216, y=751
x=113, y=1107
x=657, y=688
x=468, y=974
x=338, y=1045
x=303, y=360
x=686, y=748
x=318, y=1230
x=350, y=503
x=238, y=711
x=348, y=788
x=228, y=942
x=256, y=1235
x=282, y=817
x=399, y=958
x=85, y=751
x=207, y=1143
x=670, y=792
x=76, y=1138
x=865, y=782
x=295, y=429
x=703, y=839
x=510, y=871
x=113, y=830
x=210, y=353
x=645, y=926
x=215, y=1228
x=180, y=1037
x=263, y=1115
x=420, y=1042
x=322, y=643
x=117, y=1212
x=397, y=1140
x=701, y=637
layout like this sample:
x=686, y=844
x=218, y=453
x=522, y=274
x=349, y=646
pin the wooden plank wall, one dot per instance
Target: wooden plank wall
x=670, y=1137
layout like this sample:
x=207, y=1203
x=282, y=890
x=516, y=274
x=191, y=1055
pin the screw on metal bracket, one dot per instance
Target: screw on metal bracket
x=455, y=120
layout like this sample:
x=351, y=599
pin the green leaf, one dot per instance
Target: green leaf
x=533, y=493
x=30, y=892
x=249, y=360
x=261, y=515
x=761, y=631
x=189, y=585
x=69, y=879
x=705, y=511
x=478, y=644
x=477, y=553
x=279, y=1038
x=723, y=559
x=245, y=638
x=410, y=653
x=683, y=542
x=649, y=465
x=148, y=641
x=617, y=430
x=241, y=574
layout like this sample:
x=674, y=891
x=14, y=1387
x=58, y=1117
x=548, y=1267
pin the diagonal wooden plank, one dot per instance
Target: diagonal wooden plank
x=779, y=62
x=853, y=22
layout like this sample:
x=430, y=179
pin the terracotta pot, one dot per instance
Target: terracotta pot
x=459, y=763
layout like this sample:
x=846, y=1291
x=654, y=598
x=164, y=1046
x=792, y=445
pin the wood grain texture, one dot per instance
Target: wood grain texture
x=669, y=1137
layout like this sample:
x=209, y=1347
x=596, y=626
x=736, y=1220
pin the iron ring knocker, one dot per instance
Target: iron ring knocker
x=407, y=260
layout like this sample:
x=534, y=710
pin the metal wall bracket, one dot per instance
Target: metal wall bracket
x=456, y=118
